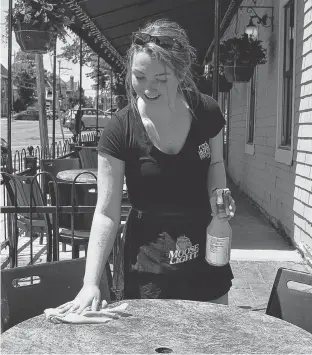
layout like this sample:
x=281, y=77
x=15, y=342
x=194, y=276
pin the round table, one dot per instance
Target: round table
x=163, y=326
x=69, y=175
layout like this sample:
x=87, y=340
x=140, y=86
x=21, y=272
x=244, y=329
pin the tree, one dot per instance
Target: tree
x=26, y=86
x=18, y=105
x=24, y=76
x=71, y=52
x=88, y=101
x=74, y=99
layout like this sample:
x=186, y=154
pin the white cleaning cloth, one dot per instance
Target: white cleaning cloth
x=105, y=314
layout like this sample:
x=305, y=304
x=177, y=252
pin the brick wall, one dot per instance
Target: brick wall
x=281, y=191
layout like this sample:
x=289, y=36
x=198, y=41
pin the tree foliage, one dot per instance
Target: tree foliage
x=25, y=82
x=24, y=77
x=74, y=99
x=18, y=105
x=71, y=52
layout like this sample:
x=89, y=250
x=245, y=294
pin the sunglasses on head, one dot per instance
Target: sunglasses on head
x=165, y=42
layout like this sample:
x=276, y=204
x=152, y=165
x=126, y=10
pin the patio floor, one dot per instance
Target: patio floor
x=258, y=250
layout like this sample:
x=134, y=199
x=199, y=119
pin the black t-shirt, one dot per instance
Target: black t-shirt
x=160, y=181
x=164, y=256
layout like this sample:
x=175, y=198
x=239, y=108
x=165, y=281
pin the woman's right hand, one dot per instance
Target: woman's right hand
x=89, y=296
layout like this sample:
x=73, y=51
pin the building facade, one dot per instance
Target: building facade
x=65, y=90
x=269, y=130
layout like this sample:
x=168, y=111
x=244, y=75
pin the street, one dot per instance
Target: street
x=25, y=133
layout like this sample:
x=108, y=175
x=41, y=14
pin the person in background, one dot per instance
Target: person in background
x=168, y=143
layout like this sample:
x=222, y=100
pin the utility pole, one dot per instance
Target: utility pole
x=43, y=126
x=59, y=77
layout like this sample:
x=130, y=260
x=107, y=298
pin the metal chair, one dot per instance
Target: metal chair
x=54, y=166
x=26, y=191
x=75, y=227
x=27, y=291
x=88, y=157
x=291, y=298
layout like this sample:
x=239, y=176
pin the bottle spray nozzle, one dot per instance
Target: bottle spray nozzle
x=223, y=201
x=220, y=202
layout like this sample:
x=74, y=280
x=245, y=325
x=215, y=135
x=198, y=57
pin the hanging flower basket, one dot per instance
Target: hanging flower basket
x=34, y=41
x=238, y=73
x=37, y=23
x=239, y=56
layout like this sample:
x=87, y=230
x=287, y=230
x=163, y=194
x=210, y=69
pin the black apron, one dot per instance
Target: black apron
x=162, y=255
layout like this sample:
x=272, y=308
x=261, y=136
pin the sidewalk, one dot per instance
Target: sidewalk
x=258, y=250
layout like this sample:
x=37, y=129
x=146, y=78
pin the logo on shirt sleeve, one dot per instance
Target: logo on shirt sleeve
x=184, y=251
x=204, y=151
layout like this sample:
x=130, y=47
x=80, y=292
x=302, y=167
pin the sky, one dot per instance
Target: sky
x=47, y=58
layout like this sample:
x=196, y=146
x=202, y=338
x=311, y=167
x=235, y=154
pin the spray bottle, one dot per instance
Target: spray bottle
x=219, y=232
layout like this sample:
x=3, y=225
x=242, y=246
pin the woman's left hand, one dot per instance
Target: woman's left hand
x=230, y=207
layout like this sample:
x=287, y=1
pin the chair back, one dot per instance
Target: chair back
x=27, y=291
x=84, y=195
x=291, y=298
x=88, y=157
x=54, y=166
x=27, y=191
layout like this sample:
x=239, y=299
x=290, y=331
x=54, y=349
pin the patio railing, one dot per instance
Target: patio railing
x=26, y=240
x=62, y=150
x=27, y=162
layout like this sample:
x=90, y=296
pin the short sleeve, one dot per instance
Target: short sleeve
x=213, y=116
x=112, y=140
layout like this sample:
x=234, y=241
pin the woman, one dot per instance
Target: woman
x=168, y=143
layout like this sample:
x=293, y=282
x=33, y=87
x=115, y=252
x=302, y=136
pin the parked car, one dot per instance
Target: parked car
x=110, y=111
x=88, y=120
x=30, y=114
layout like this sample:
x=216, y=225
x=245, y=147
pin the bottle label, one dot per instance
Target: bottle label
x=217, y=250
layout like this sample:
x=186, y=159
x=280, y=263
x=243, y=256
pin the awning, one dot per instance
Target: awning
x=107, y=25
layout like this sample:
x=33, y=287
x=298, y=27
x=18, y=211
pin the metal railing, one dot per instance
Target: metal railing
x=12, y=212
x=63, y=149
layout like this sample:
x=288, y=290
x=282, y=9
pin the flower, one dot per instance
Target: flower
x=209, y=73
x=242, y=50
x=41, y=15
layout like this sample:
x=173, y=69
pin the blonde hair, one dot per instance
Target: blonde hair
x=179, y=58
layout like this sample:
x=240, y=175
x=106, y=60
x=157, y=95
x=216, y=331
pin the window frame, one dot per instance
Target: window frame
x=284, y=153
x=250, y=146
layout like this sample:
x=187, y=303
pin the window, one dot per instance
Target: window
x=285, y=104
x=288, y=72
x=251, y=113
